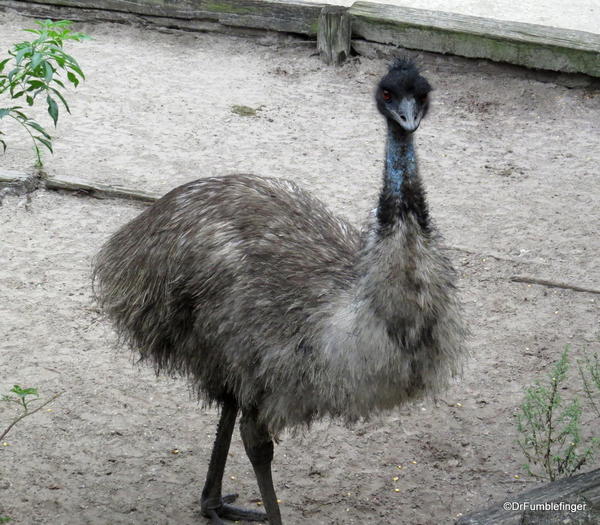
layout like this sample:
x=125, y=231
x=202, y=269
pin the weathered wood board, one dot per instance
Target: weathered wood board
x=86, y=14
x=16, y=182
x=527, y=45
x=293, y=16
x=99, y=190
x=583, y=489
x=334, y=35
x=9, y=177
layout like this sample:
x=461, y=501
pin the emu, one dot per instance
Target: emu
x=274, y=307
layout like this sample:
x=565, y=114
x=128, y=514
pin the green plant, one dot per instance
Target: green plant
x=34, y=72
x=24, y=398
x=589, y=369
x=550, y=427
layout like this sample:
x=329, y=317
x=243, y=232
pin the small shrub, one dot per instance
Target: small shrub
x=24, y=398
x=34, y=73
x=550, y=427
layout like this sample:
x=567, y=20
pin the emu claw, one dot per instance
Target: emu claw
x=229, y=512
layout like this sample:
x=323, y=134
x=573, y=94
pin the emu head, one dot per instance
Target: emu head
x=402, y=95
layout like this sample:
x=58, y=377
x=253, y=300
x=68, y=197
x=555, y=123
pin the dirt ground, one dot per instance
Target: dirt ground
x=511, y=167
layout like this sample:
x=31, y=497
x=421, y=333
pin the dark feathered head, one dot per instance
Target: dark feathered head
x=403, y=95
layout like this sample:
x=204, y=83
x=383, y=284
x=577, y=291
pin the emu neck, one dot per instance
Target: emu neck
x=400, y=160
x=402, y=194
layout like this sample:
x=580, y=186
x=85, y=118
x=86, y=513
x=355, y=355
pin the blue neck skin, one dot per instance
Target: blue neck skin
x=400, y=160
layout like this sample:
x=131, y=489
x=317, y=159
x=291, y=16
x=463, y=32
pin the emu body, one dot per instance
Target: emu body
x=272, y=305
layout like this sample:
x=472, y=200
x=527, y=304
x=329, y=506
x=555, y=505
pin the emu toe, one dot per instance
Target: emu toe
x=231, y=513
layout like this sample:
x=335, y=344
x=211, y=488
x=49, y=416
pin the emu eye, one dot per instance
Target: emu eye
x=387, y=96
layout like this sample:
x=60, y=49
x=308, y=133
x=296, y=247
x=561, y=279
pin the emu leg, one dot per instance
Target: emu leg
x=259, y=448
x=213, y=505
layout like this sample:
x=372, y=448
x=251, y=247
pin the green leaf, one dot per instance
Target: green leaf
x=36, y=60
x=59, y=23
x=29, y=99
x=20, y=115
x=37, y=85
x=73, y=78
x=62, y=99
x=45, y=142
x=3, y=63
x=52, y=108
x=4, y=112
x=3, y=146
x=59, y=60
x=33, y=124
x=75, y=67
x=39, y=71
x=22, y=52
x=24, y=392
x=12, y=74
x=49, y=72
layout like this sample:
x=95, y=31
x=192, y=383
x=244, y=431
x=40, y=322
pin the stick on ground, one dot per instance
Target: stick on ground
x=552, y=284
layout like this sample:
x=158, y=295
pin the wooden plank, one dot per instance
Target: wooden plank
x=334, y=35
x=99, y=190
x=527, y=45
x=80, y=14
x=292, y=16
x=581, y=489
x=10, y=177
x=17, y=182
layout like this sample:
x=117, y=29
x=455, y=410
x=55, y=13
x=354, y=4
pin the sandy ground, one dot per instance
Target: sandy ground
x=511, y=166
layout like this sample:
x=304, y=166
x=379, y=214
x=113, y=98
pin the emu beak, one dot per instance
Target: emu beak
x=408, y=115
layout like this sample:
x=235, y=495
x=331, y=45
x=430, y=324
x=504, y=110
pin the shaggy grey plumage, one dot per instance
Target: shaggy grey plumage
x=272, y=305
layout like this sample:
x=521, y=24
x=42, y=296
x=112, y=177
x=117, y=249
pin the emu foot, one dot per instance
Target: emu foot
x=224, y=511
